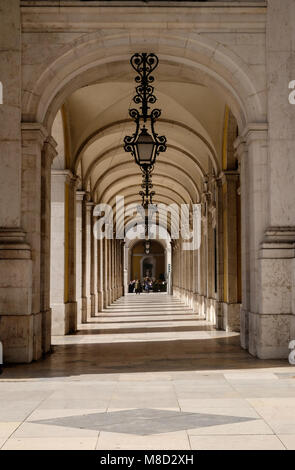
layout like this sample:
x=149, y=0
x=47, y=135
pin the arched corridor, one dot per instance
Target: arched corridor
x=74, y=117
x=192, y=295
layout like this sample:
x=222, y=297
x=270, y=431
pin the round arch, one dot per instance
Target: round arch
x=87, y=58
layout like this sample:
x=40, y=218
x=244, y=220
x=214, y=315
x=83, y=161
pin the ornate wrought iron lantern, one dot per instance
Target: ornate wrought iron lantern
x=145, y=144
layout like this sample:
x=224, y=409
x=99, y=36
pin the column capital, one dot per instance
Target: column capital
x=229, y=176
x=75, y=181
x=66, y=174
x=89, y=205
x=254, y=132
x=34, y=132
x=49, y=148
x=80, y=195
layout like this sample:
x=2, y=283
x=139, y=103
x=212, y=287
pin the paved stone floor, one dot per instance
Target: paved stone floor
x=146, y=374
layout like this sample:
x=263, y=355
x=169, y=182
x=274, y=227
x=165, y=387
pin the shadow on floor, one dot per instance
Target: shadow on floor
x=150, y=356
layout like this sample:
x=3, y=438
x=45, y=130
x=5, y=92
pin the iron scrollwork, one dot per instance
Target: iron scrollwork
x=144, y=64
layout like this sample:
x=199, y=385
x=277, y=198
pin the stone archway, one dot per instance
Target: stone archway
x=81, y=59
x=108, y=195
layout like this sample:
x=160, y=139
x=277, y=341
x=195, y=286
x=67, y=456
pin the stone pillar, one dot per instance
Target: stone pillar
x=256, y=140
x=33, y=138
x=117, y=269
x=220, y=253
x=192, y=278
x=59, y=292
x=16, y=319
x=94, y=268
x=86, y=258
x=195, y=301
x=100, y=275
x=231, y=305
x=178, y=244
x=71, y=255
x=242, y=152
x=110, y=271
x=203, y=263
x=124, y=274
x=178, y=248
x=48, y=154
x=126, y=265
x=272, y=292
x=79, y=217
x=187, y=277
x=105, y=273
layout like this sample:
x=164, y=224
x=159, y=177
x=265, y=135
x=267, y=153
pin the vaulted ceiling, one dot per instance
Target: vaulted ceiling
x=96, y=121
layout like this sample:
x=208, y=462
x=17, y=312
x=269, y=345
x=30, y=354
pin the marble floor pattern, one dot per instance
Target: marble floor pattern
x=148, y=374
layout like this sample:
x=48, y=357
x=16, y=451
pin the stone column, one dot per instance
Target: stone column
x=16, y=319
x=117, y=270
x=231, y=306
x=79, y=210
x=100, y=273
x=203, y=262
x=125, y=264
x=86, y=258
x=71, y=255
x=220, y=253
x=94, y=268
x=48, y=154
x=196, y=274
x=180, y=269
x=272, y=292
x=257, y=208
x=110, y=271
x=178, y=248
x=124, y=274
x=59, y=292
x=105, y=273
x=242, y=152
x=33, y=138
x=187, y=277
x=119, y=267
x=191, y=277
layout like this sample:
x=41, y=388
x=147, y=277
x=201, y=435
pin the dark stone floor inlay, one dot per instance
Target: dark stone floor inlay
x=143, y=421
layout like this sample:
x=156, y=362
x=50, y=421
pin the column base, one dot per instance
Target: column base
x=79, y=311
x=211, y=308
x=20, y=330
x=93, y=299
x=105, y=298
x=99, y=302
x=202, y=309
x=270, y=335
x=46, y=331
x=110, y=297
x=86, y=308
x=244, y=322
x=190, y=297
x=231, y=316
x=72, y=309
x=21, y=336
x=60, y=318
x=195, y=303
